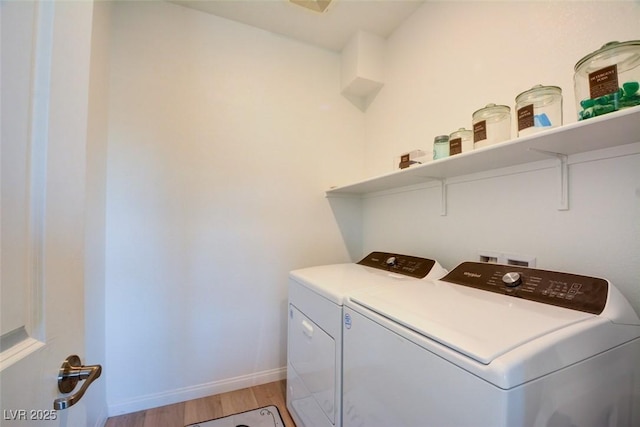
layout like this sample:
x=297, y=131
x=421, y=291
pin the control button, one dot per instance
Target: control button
x=391, y=261
x=512, y=279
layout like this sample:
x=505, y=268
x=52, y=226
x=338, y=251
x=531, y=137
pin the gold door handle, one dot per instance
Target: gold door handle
x=69, y=374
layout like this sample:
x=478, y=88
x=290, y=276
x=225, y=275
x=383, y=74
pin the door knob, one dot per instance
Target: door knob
x=69, y=374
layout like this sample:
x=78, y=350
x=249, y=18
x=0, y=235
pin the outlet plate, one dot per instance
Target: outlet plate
x=506, y=258
x=520, y=260
x=490, y=256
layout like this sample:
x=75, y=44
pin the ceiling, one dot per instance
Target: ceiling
x=331, y=29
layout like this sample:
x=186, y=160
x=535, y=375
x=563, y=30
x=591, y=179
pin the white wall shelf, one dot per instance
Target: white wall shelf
x=612, y=130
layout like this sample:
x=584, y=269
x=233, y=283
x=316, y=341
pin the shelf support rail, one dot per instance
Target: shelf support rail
x=563, y=169
x=443, y=193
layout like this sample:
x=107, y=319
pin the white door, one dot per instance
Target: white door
x=45, y=61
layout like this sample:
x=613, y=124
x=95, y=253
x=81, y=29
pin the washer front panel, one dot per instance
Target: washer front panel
x=392, y=379
x=389, y=381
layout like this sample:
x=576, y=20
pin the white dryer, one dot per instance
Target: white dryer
x=492, y=345
x=314, y=347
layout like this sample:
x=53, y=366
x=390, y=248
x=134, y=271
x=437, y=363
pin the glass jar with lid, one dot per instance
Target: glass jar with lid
x=608, y=79
x=538, y=108
x=441, y=147
x=460, y=141
x=491, y=124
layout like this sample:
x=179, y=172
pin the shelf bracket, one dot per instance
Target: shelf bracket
x=443, y=193
x=563, y=169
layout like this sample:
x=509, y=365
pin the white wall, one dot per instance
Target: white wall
x=223, y=139
x=451, y=58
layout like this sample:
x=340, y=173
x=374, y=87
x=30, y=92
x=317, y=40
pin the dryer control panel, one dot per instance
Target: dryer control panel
x=401, y=264
x=576, y=292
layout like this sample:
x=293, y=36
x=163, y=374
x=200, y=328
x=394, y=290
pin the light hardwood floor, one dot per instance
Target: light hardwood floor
x=207, y=408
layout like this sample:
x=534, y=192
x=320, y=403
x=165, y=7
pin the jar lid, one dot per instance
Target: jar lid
x=491, y=110
x=540, y=94
x=628, y=54
x=460, y=132
x=441, y=138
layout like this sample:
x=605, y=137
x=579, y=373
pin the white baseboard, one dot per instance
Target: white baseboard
x=102, y=418
x=195, y=392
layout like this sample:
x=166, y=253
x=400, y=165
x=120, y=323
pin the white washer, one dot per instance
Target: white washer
x=314, y=347
x=492, y=345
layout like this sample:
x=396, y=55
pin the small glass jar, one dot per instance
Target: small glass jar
x=539, y=108
x=441, y=147
x=491, y=124
x=460, y=141
x=608, y=79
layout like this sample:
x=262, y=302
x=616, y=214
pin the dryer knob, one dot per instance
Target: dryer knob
x=391, y=261
x=512, y=279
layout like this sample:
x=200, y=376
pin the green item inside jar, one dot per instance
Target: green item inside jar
x=624, y=97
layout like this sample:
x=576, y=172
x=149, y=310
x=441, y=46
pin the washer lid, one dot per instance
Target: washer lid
x=337, y=281
x=479, y=324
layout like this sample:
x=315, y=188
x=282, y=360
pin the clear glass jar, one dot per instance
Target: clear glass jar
x=491, y=124
x=460, y=141
x=608, y=79
x=539, y=108
x=441, y=147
